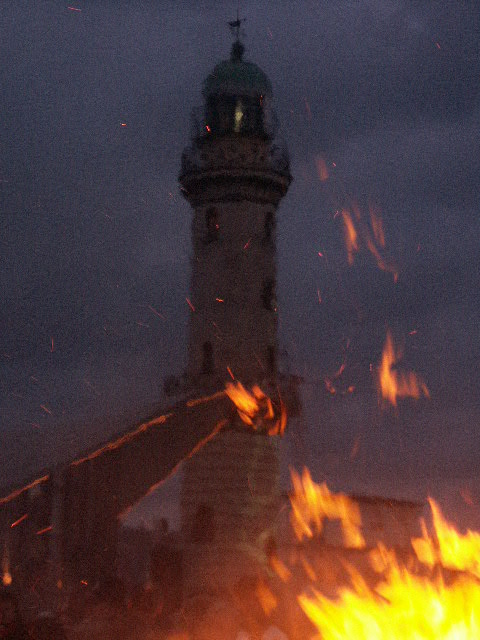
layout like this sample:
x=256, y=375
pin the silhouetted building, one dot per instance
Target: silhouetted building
x=234, y=174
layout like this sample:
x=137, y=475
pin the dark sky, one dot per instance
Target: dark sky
x=94, y=232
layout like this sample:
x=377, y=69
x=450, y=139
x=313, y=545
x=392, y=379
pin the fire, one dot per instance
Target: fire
x=401, y=606
x=256, y=409
x=447, y=547
x=394, y=384
x=322, y=168
x=351, y=236
x=377, y=227
x=7, y=579
x=370, y=236
x=312, y=504
x=421, y=598
x=246, y=403
x=6, y=575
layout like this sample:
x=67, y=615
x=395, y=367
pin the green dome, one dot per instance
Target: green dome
x=237, y=77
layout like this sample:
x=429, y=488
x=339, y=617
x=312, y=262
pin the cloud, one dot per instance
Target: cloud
x=93, y=228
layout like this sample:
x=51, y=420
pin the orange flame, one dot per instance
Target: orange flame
x=447, y=547
x=7, y=579
x=403, y=603
x=377, y=227
x=401, y=606
x=351, y=236
x=6, y=575
x=357, y=233
x=246, y=403
x=392, y=383
x=267, y=599
x=322, y=168
x=256, y=409
x=313, y=503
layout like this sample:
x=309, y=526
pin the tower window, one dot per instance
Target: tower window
x=207, y=364
x=203, y=526
x=271, y=359
x=228, y=114
x=238, y=116
x=268, y=295
x=211, y=222
x=269, y=226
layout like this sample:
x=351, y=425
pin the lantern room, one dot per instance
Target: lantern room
x=238, y=98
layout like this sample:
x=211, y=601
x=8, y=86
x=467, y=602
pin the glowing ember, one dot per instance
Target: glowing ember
x=351, y=236
x=394, y=384
x=7, y=579
x=19, y=520
x=313, y=503
x=370, y=236
x=322, y=168
x=377, y=227
x=6, y=575
x=246, y=403
x=255, y=409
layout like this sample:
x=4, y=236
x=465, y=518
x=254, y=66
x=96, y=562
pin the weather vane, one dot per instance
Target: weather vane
x=236, y=24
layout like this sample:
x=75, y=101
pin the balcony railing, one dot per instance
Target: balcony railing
x=277, y=159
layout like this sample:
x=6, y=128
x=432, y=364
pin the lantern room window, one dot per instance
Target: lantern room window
x=203, y=526
x=227, y=114
x=238, y=116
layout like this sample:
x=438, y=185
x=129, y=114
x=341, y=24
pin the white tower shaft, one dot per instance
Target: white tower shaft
x=234, y=175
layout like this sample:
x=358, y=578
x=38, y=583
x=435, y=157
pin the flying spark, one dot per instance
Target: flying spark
x=157, y=313
x=17, y=522
x=45, y=530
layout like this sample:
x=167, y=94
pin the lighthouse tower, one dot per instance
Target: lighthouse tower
x=234, y=174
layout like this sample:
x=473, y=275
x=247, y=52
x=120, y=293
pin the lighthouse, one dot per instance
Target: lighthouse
x=234, y=173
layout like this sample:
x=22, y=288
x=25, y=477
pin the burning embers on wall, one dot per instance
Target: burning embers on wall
x=256, y=410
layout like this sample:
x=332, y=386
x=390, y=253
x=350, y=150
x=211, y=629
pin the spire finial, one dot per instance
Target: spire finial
x=237, y=47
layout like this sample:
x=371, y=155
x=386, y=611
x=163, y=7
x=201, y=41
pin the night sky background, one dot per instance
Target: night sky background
x=95, y=108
